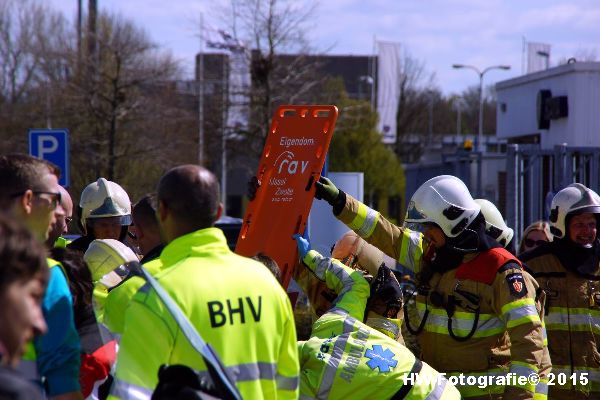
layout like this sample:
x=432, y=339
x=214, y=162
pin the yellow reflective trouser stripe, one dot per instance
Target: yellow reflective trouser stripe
x=544, y=333
x=365, y=221
x=520, y=312
x=574, y=319
x=541, y=390
x=525, y=370
x=462, y=322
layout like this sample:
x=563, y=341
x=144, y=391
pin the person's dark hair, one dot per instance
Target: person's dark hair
x=20, y=172
x=21, y=256
x=269, y=263
x=79, y=275
x=143, y=211
x=191, y=193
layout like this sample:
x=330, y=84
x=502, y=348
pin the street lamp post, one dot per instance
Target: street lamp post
x=481, y=74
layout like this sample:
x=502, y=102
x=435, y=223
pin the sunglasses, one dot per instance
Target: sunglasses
x=55, y=199
x=533, y=243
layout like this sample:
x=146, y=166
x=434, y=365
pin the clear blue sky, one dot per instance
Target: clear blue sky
x=438, y=32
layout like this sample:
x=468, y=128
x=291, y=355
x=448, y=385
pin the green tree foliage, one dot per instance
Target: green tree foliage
x=128, y=116
x=357, y=146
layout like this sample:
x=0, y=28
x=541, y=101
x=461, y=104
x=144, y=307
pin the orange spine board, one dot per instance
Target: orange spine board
x=291, y=161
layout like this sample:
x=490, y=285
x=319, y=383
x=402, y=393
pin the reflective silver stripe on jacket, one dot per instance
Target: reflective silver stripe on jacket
x=322, y=266
x=574, y=321
x=257, y=371
x=438, y=390
x=488, y=324
x=345, y=279
x=410, y=249
x=520, y=312
x=335, y=359
x=239, y=373
x=368, y=223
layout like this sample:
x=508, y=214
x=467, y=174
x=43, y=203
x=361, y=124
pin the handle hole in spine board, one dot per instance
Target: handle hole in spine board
x=321, y=113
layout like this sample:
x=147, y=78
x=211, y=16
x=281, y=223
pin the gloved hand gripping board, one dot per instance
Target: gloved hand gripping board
x=291, y=162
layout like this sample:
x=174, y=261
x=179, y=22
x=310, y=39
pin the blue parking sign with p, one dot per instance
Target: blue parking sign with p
x=52, y=145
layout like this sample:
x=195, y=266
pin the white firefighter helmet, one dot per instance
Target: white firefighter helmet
x=494, y=223
x=103, y=199
x=104, y=255
x=574, y=199
x=444, y=201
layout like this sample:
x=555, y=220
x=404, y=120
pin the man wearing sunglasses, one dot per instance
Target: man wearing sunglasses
x=568, y=270
x=29, y=190
x=477, y=307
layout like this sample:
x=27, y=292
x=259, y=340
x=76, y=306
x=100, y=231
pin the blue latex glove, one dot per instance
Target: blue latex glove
x=303, y=245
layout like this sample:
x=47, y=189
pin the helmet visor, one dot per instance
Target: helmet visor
x=414, y=215
x=109, y=208
x=123, y=220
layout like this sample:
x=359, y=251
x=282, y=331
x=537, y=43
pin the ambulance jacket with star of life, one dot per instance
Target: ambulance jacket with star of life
x=236, y=305
x=345, y=358
x=500, y=298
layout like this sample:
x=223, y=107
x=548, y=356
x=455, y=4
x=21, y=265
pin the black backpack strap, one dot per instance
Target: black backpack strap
x=408, y=384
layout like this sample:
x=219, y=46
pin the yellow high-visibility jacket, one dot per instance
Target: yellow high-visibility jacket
x=236, y=305
x=119, y=297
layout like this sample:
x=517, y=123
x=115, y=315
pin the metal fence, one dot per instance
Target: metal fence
x=534, y=175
